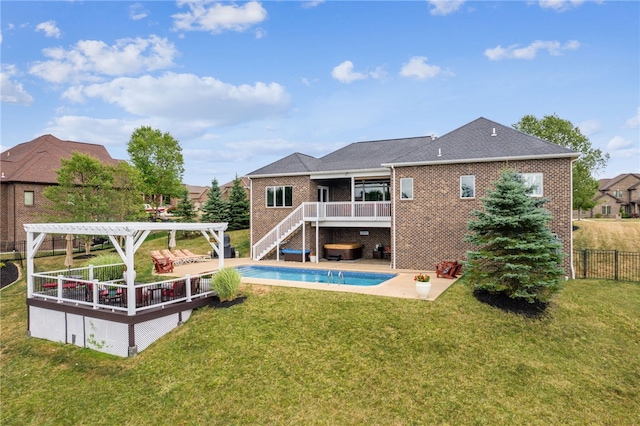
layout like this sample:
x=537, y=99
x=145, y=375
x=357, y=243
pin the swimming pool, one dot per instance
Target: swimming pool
x=325, y=276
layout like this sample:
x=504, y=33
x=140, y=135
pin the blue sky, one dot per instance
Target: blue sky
x=243, y=84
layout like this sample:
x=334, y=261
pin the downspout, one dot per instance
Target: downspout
x=573, y=272
x=251, y=219
x=393, y=217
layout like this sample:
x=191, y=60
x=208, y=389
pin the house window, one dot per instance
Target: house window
x=606, y=210
x=28, y=198
x=468, y=186
x=279, y=196
x=371, y=190
x=617, y=193
x=406, y=189
x=534, y=181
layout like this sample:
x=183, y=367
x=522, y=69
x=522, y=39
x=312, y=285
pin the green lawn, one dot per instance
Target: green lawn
x=293, y=356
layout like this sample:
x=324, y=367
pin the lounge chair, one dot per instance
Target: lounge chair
x=195, y=257
x=181, y=256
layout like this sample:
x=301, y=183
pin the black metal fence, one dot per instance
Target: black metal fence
x=607, y=264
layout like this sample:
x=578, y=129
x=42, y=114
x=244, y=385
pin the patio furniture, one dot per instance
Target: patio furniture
x=195, y=257
x=448, y=269
x=174, y=291
x=162, y=264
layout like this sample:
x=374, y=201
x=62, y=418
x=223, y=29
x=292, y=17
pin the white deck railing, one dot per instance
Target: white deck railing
x=78, y=286
x=342, y=211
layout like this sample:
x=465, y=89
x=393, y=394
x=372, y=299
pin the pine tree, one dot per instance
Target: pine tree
x=215, y=209
x=516, y=253
x=185, y=210
x=238, y=206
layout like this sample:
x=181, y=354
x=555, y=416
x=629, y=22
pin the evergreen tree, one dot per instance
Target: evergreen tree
x=185, y=210
x=215, y=209
x=516, y=253
x=238, y=206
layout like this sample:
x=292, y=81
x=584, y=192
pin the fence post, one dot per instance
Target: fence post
x=615, y=265
x=584, y=263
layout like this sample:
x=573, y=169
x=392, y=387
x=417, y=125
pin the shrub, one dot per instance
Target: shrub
x=598, y=215
x=226, y=283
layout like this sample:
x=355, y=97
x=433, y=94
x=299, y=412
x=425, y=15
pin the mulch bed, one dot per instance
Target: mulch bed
x=227, y=303
x=536, y=310
x=8, y=274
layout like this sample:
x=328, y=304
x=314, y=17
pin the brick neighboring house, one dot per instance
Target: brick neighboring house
x=623, y=191
x=225, y=190
x=25, y=171
x=197, y=194
x=414, y=195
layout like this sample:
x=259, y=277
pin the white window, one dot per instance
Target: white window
x=617, y=193
x=28, y=198
x=534, y=181
x=406, y=189
x=468, y=186
x=279, y=196
x=606, y=210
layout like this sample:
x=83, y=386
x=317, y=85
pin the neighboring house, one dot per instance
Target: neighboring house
x=25, y=171
x=225, y=190
x=413, y=195
x=621, y=192
x=198, y=195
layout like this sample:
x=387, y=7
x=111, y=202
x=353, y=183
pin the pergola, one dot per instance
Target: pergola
x=134, y=234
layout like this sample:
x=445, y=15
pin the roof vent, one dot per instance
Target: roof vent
x=493, y=132
x=439, y=152
x=433, y=136
x=2, y=175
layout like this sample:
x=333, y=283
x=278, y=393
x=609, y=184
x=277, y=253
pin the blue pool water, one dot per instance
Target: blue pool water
x=314, y=275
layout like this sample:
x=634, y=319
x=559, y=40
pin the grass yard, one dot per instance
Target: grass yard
x=607, y=234
x=293, y=356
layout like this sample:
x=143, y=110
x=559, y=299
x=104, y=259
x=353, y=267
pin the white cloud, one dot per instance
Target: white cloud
x=91, y=60
x=418, y=68
x=344, y=73
x=590, y=127
x=634, y=122
x=445, y=7
x=216, y=17
x=137, y=12
x=49, y=28
x=560, y=5
x=186, y=98
x=11, y=91
x=312, y=3
x=617, y=143
x=529, y=52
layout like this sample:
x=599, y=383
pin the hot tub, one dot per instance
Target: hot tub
x=295, y=255
x=346, y=251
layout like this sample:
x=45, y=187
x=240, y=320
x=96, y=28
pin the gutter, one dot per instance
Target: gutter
x=482, y=160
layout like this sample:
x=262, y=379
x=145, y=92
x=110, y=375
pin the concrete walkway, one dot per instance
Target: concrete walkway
x=402, y=285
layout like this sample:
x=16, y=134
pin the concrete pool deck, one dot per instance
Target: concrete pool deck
x=402, y=286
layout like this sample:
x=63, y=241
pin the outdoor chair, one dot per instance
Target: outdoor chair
x=162, y=265
x=175, y=291
x=181, y=256
x=195, y=257
x=448, y=269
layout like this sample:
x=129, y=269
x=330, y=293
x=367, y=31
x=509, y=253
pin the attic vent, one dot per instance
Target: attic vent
x=493, y=132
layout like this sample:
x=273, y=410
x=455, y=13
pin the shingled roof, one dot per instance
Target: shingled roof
x=479, y=141
x=36, y=161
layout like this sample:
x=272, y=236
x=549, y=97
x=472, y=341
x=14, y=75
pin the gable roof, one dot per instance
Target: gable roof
x=606, y=184
x=479, y=141
x=37, y=161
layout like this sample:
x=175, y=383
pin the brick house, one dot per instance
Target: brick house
x=412, y=195
x=621, y=192
x=25, y=171
x=225, y=190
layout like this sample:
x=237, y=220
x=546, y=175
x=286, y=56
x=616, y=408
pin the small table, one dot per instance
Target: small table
x=377, y=254
x=152, y=293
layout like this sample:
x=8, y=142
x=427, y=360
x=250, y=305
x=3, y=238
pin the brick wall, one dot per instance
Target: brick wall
x=15, y=214
x=431, y=227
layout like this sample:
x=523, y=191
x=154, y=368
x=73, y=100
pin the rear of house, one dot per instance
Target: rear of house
x=411, y=196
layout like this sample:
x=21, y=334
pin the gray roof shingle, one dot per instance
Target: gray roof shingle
x=479, y=140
